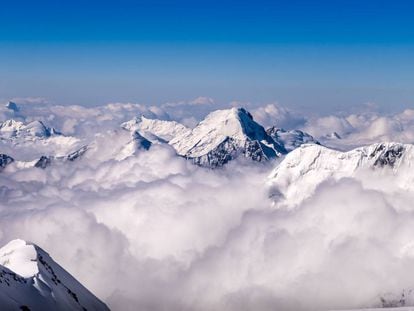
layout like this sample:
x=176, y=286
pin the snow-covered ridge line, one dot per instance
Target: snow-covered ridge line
x=12, y=129
x=302, y=170
x=221, y=137
x=155, y=129
x=232, y=131
x=31, y=280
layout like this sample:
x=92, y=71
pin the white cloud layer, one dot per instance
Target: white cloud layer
x=364, y=128
x=153, y=232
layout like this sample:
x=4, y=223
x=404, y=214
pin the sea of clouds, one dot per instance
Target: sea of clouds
x=154, y=232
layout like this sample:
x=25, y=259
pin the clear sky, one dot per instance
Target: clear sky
x=309, y=54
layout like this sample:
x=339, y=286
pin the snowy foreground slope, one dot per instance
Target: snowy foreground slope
x=302, y=170
x=31, y=280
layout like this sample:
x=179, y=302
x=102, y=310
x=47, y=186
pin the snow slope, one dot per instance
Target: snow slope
x=153, y=129
x=27, y=141
x=302, y=170
x=16, y=129
x=136, y=144
x=224, y=135
x=31, y=280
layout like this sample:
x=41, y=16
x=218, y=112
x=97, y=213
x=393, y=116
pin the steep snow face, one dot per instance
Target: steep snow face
x=136, y=144
x=292, y=139
x=153, y=129
x=302, y=170
x=225, y=134
x=31, y=280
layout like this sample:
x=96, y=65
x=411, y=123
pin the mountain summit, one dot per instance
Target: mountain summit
x=17, y=129
x=224, y=135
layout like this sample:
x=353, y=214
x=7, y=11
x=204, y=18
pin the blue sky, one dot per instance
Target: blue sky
x=324, y=55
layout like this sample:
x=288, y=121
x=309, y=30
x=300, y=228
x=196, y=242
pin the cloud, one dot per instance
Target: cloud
x=190, y=112
x=155, y=232
x=363, y=128
x=30, y=100
x=136, y=214
x=275, y=115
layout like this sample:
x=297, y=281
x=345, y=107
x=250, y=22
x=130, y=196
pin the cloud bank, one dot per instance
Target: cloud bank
x=153, y=232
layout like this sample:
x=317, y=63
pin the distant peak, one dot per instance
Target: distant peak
x=12, y=106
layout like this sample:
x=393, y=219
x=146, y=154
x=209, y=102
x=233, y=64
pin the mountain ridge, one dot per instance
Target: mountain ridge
x=31, y=280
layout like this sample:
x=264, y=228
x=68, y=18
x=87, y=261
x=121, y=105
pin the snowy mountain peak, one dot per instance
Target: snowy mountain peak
x=10, y=125
x=237, y=123
x=31, y=280
x=12, y=106
x=155, y=130
x=17, y=129
x=224, y=135
x=302, y=170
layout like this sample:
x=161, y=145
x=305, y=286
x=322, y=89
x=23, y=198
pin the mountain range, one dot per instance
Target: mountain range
x=222, y=136
x=306, y=167
x=31, y=280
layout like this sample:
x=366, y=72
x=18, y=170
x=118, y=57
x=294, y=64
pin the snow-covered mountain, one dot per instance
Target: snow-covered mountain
x=31, y=280
x=12, y=106
x=291, y=139
x=17, y=129
x=155, y=130
x=45, y=161
x=224, y=135
x=303, y=169
x=137, y=143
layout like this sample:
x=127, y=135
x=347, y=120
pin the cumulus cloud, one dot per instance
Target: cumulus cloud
x=362, y=128
x=107, y=221
x=276, y=115
x=30, y=100
x=190, y=112
x=154, y=232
